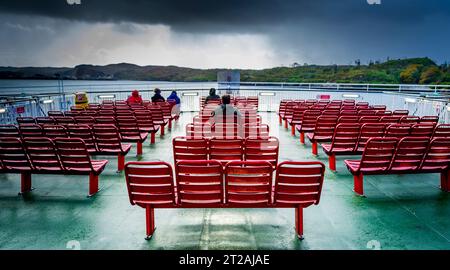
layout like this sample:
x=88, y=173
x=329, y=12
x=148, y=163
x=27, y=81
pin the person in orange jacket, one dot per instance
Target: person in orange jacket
x=134, y=98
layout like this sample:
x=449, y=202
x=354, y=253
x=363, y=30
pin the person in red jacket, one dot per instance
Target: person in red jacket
x=134, y=98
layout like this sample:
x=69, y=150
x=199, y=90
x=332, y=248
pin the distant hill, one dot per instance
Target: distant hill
x=413, y=71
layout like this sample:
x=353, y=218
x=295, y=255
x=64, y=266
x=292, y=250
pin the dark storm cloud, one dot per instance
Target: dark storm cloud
x=232, y=15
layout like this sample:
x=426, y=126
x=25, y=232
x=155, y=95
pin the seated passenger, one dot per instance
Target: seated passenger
x=135, y=98
x=212, y=95
x=157, y=97
x=226, y=113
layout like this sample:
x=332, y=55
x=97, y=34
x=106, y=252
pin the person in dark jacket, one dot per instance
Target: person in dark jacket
x=157, y=97
x=212, y=96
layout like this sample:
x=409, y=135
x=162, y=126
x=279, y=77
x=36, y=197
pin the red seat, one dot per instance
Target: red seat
x=13, y=157
x=409, y=154
x=376, y=159
x=394, y=119
x=442, y=131
x=189, y=149
x=370, y=130
x=130, y=132
x=64, y=120
x=85, y=120
x=348, y=119
x=437, y=158
x=430, y=119
x=422, y=130
x=145, y=123
x=30, y=131
x=262, y=149
x=85, y=133
x=409, y=119
x=25, y=120
x=256, y=131
x=400, y=112
x=199, y=130
x=108, y=142
x=248, y=183
x=43, y=155
x=398, y=130
x=45, y=121
x=105, y=120
x=226, y=150
x=369, y=119
x=308, y=123
x=199, y=183
x=323, y=131
x=55, y=131
x=9, y=131
x=298, y=185
x=55, y=114
x=344, y=142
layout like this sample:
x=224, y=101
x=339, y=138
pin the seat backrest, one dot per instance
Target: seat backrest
x=150, y=183
x=438, y=155
x=409, y=153
x=85, y=120
x=45, y=121
x=74, y=155
x=256, y=131
x=442, y=131
x=83, y=132
x=346, y=137
x=378, y=154
x=298, y=183
x=55, y=114
x=263, y=149
x=370, y=130
x=400, y=112
x=348, y=119
x=107, y=138
x=25, y=120
x=128, y=126
x=369, y=119
x=394, y=119
x=226, y=150
x=189, y=149
x=13, y=157
x=198, y=130
x=43, y=154
x=409, y=119
x=309, y=119
x=398, y=130
x=422, y=130
x=105, y=120
x=9, y=131
x=64, y=120
x=429, y=119
x=199, y=182
x=325, y=126
x=227, y=130
x=248, y=183
x=30, y=131
x=383, y=113
x=54, y=131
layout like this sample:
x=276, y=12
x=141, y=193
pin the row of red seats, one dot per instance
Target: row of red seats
x=138, y=124
x=205, y=130
x=98, y=139
x=383, y=156
x=207, y=184
x=45, y=156
x=226, y=150
x=350, y=139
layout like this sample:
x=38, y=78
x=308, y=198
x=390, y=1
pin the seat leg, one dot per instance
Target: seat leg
x=302, y=137
x=120, y=162
x=293, y=129
x=152, y=138
x=332, y=162
x=299, y=222
x=280, y=119
x=314, y=148
x=93, y=184
x=359, y=184
x=445, y=181
x=163, y=131
x=285, y=124
x=139, y=148
x=25, y=183
x=170, y=123
x=150, y=221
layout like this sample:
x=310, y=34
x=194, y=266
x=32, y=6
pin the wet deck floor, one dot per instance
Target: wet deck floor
x=399, y=212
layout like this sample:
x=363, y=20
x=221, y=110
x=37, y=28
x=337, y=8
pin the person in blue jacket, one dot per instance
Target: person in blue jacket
x=175, y=100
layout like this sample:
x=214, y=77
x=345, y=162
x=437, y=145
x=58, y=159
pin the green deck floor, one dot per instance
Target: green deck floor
x=399, y=212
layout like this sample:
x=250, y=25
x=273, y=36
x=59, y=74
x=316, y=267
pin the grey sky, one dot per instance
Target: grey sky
x=232, y=33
